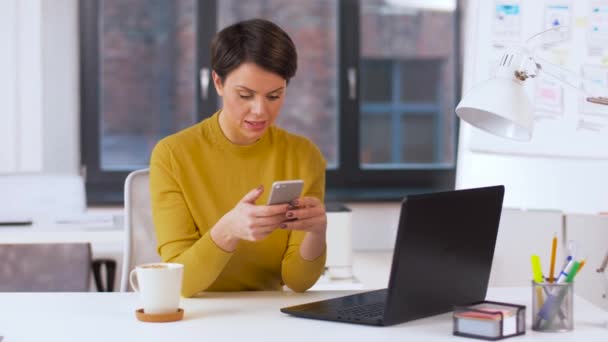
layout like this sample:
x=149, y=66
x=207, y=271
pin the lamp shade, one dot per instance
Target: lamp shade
x=499, y=106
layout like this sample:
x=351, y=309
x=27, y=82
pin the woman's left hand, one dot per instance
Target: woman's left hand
x=306, y=214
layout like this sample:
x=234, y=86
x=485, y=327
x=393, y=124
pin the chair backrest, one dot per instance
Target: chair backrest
x=140, y=237
x=52, y=267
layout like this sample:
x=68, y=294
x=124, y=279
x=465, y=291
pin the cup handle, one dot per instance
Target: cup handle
x=132, y=276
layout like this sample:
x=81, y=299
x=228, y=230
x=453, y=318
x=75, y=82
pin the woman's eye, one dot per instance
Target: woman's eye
x=272, y=98
x=243, y=96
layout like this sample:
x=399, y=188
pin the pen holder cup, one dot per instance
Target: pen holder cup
x=552, y=307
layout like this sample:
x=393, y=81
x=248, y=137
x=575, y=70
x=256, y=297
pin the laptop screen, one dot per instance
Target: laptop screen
x=443, y=251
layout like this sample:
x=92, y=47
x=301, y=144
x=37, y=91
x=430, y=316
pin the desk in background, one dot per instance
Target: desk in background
x=240, y=316
x=370, y=268
x=107, y=241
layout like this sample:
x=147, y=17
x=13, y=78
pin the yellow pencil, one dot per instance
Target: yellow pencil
x=553, y=251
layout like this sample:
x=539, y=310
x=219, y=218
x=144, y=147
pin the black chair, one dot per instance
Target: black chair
x=99, y=275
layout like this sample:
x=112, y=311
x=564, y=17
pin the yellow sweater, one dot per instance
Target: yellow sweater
x=197, y=175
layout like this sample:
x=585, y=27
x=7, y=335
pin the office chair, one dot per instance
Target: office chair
x=45, y=267
x=140, y=237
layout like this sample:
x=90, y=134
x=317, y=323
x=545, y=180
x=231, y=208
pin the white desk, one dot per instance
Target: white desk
x=243, y=316
x=89, y=227
x=106, y=241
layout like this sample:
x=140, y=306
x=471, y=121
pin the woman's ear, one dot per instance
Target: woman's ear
x=217, y=82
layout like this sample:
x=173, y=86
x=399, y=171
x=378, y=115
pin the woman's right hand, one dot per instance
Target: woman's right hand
x=248, y=221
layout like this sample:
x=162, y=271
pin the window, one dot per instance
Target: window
x=401, y=100
x=375, y=89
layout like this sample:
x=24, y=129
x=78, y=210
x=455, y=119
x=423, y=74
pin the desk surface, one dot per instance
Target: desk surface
x=242, y=316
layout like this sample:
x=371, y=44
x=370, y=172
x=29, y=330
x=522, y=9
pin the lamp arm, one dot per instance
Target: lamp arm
x=602, y=100
x=532, y=44
x=534, y=38
x=579, y=81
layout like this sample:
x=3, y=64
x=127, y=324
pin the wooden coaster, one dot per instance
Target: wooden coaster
x=158, y=318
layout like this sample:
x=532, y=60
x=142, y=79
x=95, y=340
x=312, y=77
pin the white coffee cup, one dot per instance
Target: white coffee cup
x=159, y=286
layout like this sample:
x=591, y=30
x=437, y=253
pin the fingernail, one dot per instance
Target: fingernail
x=291, y=207
x=283, y=225
x=260, y=187
x=289, y=214
x=294, y=202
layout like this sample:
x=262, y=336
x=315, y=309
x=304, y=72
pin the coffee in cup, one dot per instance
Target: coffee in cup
x=159, y=286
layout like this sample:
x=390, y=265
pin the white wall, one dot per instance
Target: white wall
x=8, y=80
x=39, y=93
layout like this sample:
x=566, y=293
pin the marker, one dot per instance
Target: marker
x=538, y=278
x=536, y=269
x=553, y=251
x=575, y=267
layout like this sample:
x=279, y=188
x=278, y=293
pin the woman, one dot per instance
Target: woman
x=207, y=182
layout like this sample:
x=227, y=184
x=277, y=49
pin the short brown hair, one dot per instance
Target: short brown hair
x=257, y=40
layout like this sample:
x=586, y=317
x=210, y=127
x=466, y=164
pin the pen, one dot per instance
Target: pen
x=563, y=275
x=571, y=248
x=581, y=265
x=571, y=253
x=553, y=250
x=598, y=99
x=604, y=264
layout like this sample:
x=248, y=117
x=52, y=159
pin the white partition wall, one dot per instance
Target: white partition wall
x=590, y=232
x=39, y=92
x=522, y=233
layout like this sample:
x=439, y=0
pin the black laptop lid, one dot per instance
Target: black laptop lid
x=443, y=252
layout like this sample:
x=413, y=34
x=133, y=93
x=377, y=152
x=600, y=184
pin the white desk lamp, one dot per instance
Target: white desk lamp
x=500, y=105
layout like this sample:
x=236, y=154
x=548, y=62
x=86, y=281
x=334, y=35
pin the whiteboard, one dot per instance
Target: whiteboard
x=536, y=175
x=565, y=125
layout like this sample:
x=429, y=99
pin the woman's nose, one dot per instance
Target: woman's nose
x=258, y=107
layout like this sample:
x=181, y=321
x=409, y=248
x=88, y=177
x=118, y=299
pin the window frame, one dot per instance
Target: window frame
x=106, y=187
x=348, y=182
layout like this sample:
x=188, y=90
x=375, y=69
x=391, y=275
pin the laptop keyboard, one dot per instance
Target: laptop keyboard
x=368, y=310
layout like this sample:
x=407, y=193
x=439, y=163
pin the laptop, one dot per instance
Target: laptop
x=443, y=256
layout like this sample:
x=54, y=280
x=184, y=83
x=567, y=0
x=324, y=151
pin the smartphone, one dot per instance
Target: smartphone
x=285, y=191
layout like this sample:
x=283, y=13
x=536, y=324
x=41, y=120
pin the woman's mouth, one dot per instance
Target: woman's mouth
x=255, y=125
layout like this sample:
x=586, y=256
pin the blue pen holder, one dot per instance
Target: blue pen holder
x=552, y=309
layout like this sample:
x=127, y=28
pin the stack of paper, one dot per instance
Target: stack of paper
x=486, y=320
